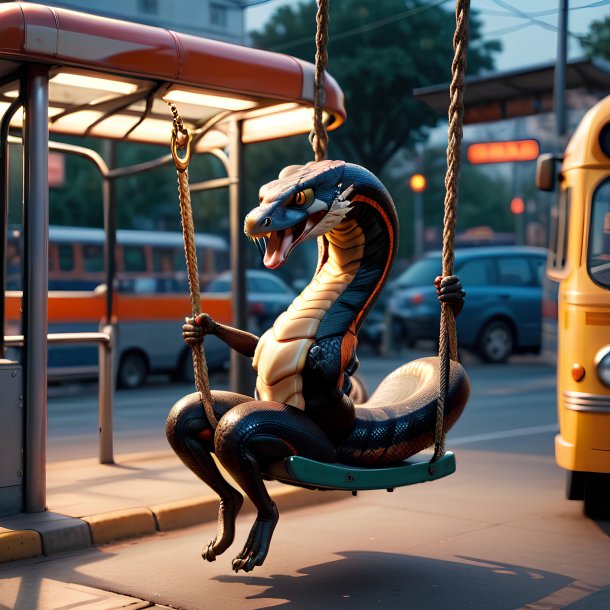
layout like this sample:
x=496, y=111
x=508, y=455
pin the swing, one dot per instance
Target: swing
x=433, y=382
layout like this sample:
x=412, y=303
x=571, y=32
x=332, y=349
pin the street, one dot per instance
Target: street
x=496, y=407
x=498, y=533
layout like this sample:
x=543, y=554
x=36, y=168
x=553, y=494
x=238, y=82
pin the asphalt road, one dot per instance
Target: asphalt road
x=497, y=534
x=139, y=415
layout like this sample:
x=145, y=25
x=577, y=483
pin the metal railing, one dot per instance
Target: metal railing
x=104, y=339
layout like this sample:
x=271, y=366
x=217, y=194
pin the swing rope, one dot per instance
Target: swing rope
x=181, y=140
x=448, y=333
x=319, y=137
x=181, y=154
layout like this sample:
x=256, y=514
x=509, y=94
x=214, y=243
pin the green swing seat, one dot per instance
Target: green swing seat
x=303, y=472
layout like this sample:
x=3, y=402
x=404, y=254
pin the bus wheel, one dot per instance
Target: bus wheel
x=133, y=370
x=575, y=485
x=496, y=342
x=597, y=495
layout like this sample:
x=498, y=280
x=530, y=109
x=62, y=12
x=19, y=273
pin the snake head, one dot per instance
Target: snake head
x=305, y=201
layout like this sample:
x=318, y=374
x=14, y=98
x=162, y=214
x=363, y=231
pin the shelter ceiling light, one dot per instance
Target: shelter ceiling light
x=18, y=118
x=290, y=122
x=92, y=82
x=207, y=99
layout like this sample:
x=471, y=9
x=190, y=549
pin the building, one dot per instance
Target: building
x=216, y=19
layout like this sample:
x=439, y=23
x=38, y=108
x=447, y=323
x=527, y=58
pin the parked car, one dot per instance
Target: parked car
x=503, y=310
x=266, y=293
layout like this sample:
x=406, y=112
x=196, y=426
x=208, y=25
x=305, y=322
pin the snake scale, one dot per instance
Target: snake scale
x=305, y=363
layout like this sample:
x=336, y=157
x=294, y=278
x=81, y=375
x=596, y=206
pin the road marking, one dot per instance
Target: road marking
x=476, y=438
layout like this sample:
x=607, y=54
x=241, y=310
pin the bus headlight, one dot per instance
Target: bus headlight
x=602, y=361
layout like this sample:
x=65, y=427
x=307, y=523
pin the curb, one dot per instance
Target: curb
x=135, y=522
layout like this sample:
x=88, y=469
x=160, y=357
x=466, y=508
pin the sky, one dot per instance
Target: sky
x=527, y=28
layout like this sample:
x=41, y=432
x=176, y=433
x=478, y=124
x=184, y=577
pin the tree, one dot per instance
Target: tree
x=596, y=42
x=379, y=52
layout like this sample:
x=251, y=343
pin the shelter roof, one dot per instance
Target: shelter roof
x=517, y=93
x=210, y=81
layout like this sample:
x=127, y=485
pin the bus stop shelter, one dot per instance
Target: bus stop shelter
x=63, y=72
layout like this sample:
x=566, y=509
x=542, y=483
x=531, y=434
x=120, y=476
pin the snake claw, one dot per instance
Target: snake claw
x=208, y=552
x=257, y=546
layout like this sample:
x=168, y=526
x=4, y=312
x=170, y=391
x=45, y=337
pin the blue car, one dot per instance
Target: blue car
x=503, y=309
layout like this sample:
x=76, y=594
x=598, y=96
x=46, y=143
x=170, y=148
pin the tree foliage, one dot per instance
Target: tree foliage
x=596, y=42
x=379, y=52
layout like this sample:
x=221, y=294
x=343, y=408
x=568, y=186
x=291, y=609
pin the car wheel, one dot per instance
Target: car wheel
x=597, y=495
x=133, y=370
x=496, y=342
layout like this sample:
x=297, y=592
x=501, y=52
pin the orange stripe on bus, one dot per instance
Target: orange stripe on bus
x=90, y=307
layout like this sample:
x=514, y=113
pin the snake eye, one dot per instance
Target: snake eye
x=303, y=197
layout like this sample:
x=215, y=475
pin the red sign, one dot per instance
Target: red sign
x=57, y=174
x=503, y=152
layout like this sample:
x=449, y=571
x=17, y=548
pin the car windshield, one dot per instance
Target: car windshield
x=421, y=272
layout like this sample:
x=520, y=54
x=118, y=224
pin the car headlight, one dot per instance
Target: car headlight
x=602, y=361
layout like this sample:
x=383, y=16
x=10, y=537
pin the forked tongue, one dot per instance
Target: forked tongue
x=277, y=249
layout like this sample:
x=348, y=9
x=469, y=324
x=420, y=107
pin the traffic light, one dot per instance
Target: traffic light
x=418, y=183
x=517, y=205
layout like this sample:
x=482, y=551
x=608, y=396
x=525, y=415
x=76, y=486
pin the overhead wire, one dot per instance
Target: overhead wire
x=511, y=12
x=368, y=27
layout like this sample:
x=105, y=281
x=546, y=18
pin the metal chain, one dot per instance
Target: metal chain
x=319, y=137
x=448, y=334
x=181, y=141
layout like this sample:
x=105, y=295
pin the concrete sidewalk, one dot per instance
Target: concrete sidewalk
x=140, y=494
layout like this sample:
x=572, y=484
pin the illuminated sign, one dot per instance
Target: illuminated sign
x=503, y=152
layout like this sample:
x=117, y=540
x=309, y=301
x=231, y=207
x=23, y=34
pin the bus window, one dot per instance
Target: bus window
x=93, y=258
x=558, y=242
x=13, y=266
x=169, y=269
x=134, y=259
x=66, y=257
x=598, y=255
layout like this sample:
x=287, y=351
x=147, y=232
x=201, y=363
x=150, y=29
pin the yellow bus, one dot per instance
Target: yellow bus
x=579, y=261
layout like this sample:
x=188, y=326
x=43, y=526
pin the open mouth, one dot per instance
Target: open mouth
x=277, y=246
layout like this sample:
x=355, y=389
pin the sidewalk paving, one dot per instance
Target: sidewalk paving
x=89, y=503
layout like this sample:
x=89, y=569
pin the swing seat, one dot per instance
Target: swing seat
x=303, y=472
x=415, y=383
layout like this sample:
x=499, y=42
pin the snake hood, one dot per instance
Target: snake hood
x=305, y=202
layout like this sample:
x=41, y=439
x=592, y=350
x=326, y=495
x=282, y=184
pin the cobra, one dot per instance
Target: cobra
x=305, y=389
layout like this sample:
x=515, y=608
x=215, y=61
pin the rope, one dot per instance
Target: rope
x=448, y=334
x=181, y=139
x=318, y=137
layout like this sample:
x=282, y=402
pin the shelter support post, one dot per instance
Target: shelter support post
x=35, y=297
x=559, y=92
x=241, y=377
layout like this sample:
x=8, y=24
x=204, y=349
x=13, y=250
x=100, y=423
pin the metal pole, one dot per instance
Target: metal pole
x=241, y=377
x=35, y=297
x=105, y=397
x=108, y=193
x=4, y=204
x=418, y=225
x=559, y=87
x=106, y=352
